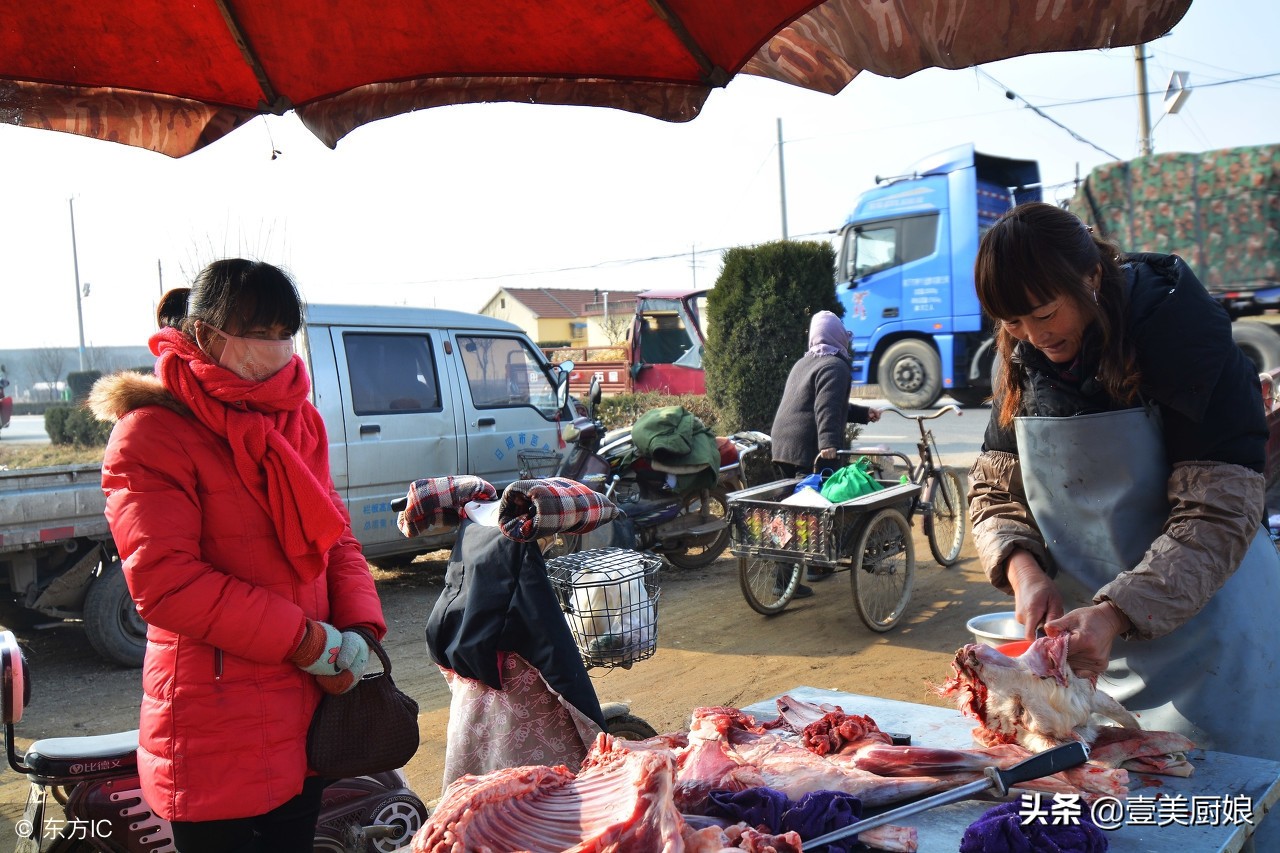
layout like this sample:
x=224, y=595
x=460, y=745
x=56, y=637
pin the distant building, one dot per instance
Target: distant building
x=584, y=318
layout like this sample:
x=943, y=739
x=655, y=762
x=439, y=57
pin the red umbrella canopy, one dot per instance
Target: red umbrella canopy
x=173, y=77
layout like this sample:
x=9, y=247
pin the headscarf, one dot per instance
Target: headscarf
x=277, y=439
x=828, y=336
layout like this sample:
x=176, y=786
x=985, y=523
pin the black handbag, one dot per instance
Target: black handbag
x=371, y=728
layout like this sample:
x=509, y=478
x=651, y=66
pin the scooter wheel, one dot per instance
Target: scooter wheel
x=630, y=727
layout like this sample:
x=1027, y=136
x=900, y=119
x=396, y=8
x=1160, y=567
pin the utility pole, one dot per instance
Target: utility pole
x=75, y=262
x=782, y=182
x=1144, y=113
x=160, y=275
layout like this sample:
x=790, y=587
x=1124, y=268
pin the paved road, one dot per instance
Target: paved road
x=959, y=438
x=25, y=429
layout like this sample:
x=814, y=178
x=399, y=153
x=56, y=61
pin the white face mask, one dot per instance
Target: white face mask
x=254, y=359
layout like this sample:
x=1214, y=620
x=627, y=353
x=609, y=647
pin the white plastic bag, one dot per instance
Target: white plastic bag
x=806, y=497
x=610, y=615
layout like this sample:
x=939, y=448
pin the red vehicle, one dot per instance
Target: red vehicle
x=663, y=348
x=6, y=404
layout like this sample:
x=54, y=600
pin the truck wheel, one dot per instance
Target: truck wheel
x=910, y=375
x=1260, y=343
x=111, y=622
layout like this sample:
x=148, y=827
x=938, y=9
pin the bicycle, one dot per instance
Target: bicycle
x=942, y=501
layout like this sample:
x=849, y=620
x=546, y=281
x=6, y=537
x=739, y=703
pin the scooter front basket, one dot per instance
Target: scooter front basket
x=610, y=599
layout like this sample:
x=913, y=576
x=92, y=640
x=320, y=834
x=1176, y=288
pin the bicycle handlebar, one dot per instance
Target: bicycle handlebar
x=937, y=414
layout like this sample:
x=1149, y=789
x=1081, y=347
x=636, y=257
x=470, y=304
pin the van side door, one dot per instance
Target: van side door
x=509, y=403
x=402, y=422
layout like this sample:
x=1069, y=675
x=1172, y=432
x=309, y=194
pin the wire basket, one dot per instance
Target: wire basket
x=537, y=464
x=610, y=599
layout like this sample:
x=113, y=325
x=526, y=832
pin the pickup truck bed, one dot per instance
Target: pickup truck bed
x=50, y=505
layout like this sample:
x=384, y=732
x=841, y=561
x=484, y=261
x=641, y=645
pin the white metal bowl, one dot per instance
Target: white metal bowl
x=994, y=629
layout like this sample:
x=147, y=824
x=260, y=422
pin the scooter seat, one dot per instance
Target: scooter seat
x=83, y=757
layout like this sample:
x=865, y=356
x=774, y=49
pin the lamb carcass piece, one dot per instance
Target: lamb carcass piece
x=856, y=741
x=1034, y=699
x=620, y=801
x=827, y=729
x=1037, y=701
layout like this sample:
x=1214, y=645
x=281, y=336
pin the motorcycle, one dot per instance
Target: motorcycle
x=690, y=530
x=85, y=795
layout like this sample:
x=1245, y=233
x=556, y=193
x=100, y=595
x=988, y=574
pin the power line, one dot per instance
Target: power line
x=1011, y=95
x=1101, y=98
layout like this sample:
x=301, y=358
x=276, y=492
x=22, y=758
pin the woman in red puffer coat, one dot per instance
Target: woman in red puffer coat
x=239, y=555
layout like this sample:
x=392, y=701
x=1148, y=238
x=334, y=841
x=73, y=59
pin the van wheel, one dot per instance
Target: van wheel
x=111, y=621
x=910, y=375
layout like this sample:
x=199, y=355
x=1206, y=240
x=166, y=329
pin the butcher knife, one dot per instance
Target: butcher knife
x=1045, y=763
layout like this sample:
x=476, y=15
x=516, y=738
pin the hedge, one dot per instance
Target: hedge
x=758, y=320
x=623, y=410
x=75, y=425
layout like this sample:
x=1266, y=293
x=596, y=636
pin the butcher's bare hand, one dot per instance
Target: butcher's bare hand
x=1090, y=631
x=827, y=453
x=1036, y=597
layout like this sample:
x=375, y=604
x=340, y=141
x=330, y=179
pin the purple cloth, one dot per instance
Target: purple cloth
x=828, y=336
x=815, y=814
x=1001, y=830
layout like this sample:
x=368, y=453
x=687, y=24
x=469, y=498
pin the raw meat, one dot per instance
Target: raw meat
x=1034, y=700
x=890, y=760
x=621, y=801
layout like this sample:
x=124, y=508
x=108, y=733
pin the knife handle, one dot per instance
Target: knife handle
x=1045, y=763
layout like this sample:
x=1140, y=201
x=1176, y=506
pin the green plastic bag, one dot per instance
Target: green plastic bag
x=851, y=481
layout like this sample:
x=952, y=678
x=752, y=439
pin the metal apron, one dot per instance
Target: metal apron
x=1096, y=486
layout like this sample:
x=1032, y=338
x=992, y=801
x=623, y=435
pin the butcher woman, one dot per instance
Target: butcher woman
x=1125, y=451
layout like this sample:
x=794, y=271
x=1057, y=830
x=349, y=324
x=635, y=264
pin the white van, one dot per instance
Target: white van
x=418, y=392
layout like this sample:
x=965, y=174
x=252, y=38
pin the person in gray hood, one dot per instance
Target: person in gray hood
x=815, y=408
x=1125, y=451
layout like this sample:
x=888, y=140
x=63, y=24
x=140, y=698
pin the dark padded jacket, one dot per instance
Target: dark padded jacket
x=1215, y=437
x=1206, y=388
x=814, y=410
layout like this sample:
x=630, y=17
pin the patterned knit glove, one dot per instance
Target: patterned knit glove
x=326, y=651
x=337, y=684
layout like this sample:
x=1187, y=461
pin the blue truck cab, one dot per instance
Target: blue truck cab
x=904, y=275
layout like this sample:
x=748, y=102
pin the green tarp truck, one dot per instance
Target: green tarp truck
x=1219, y=210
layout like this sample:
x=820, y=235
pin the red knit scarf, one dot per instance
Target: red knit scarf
x=277, y=440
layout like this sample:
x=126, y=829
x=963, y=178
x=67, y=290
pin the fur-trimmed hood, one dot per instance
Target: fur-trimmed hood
x=114, y=396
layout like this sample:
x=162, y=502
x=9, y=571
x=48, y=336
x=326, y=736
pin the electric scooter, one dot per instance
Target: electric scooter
x=85, y=795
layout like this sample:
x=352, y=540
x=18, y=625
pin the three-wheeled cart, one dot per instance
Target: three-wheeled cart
x=870, y=536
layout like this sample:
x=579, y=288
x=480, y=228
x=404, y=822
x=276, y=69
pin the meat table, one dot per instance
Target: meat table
x=1157, y=822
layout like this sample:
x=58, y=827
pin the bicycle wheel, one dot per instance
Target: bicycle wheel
x=767, y=585
x=884, y=570
x=948, y=517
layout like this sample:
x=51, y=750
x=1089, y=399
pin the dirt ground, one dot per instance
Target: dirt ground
x=712, y=650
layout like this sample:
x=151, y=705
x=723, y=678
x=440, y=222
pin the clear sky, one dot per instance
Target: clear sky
x=444, y=206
